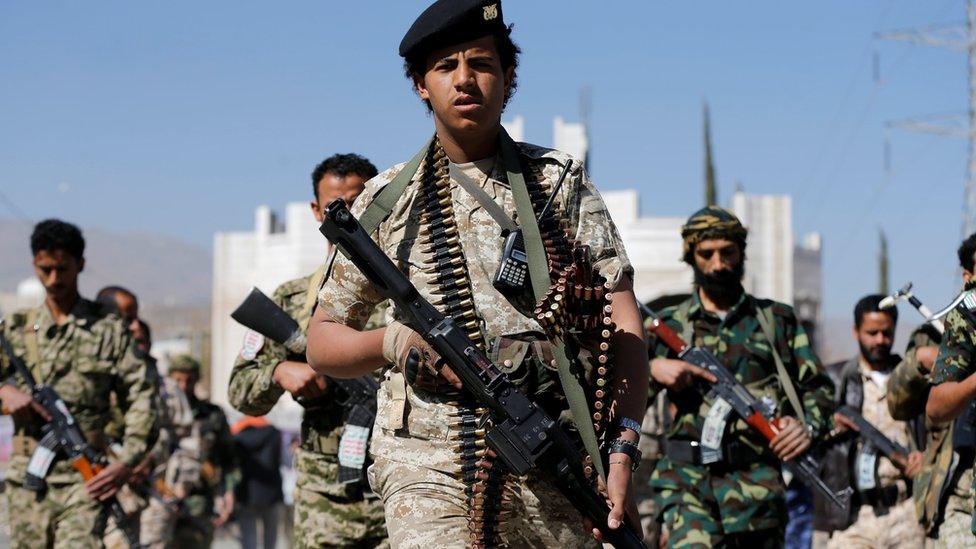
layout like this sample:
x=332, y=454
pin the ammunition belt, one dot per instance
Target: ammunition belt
x=552, y=228
x=486, y=481
x=580, y=302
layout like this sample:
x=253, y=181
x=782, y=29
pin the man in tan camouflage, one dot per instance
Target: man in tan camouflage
x=208, y=466
x=85, y=354
x=881, y=513
x=951, y=399
x=327, y=513
x=440, y=486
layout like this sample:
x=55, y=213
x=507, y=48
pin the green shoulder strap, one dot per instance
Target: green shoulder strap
x=539, y=275
x=765, y=318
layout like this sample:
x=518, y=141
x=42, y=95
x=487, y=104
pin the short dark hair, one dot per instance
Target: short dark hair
x=966, y=252
x=53, y=234
x=415, y=64
x=342, y=165
x=872, y=304
x=106, y=296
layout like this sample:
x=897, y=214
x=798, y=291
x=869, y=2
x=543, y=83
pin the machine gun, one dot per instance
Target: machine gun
x=520, y=432
x=357, y=396
x=753, y=411
x=62, y=435
x=891, y=449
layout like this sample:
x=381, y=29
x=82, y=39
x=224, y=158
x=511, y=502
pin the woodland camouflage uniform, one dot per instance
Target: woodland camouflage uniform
x=908, y=393
x=85, y=360
x=327, y=513
x=703, y=505
x=956, y=362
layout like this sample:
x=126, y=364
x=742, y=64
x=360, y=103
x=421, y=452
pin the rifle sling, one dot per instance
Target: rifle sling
x=766, y=323
x=539, y=277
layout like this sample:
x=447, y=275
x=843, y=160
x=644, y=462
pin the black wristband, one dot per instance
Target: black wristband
x=622, y=446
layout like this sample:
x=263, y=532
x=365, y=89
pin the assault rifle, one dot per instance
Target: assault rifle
x=891, y=449
x=357, y=396
x=755, y=412
x=520, y=433
x=62, y=435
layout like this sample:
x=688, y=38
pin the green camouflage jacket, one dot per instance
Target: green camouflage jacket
x=751, y=497
x=908, y=392
x=87, y=360
x=253, y=391
x=956, y=362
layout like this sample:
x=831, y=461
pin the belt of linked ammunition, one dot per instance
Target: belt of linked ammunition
x=580, y=302
x=487, y=483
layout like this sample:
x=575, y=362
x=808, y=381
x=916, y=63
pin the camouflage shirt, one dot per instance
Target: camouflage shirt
x=254, y=392
x=86, y=359
x=750, y=497
x=413, y=422
x=908, y=393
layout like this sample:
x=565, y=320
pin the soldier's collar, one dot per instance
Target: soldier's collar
x=745, y=304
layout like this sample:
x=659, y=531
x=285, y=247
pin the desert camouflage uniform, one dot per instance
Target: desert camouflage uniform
x=956, y=362
x=327, y=513
x=210, y=451
x=896, y=526
x=85, y=359
x=415, y=467
x=704, y=505
x=170, y=478
x=908, y=393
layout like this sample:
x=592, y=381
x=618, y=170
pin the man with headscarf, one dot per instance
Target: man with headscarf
x=738, y=500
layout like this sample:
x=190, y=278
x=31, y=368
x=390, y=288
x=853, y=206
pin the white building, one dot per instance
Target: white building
x=274, y=252
x=29, y=293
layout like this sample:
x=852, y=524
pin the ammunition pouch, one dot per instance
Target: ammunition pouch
x=735, y=454
x=320, y=444
x=882, y=499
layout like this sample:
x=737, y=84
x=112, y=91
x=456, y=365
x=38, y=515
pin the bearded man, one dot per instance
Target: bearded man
x=739, y=499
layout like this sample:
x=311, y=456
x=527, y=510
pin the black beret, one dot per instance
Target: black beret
x=448, y=22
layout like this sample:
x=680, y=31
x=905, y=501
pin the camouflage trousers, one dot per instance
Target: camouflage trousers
x=428, y=508
x=65, y=517
x=647, y=507
x=162, y=526
x=955, y=530
x=898, y=528
x=331, y=514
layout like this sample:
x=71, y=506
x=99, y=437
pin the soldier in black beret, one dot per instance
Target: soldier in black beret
x=440, y=485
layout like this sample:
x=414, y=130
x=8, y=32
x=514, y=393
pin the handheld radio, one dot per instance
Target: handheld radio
x=512, y=276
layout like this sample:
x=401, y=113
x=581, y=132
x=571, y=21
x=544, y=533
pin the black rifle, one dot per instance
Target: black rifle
x=891, y=449
x=521, y=434
x=62, y=436
x=757, y=414
x=357, y=396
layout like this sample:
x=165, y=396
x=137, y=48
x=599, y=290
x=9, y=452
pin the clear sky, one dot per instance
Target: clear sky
x=181, y=117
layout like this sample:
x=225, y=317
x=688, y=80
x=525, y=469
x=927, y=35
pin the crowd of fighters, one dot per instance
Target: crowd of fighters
x=514, y=244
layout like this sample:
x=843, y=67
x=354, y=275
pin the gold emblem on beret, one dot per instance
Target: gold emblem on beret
x=491, y=12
